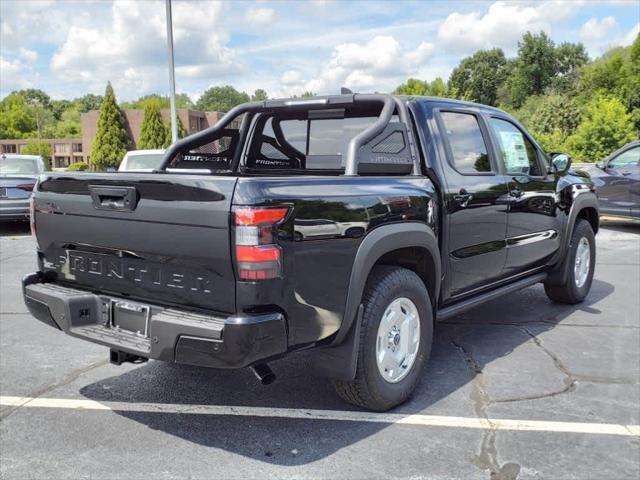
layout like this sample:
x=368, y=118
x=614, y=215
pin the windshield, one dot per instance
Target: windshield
x=146, y=161
x=18, y=166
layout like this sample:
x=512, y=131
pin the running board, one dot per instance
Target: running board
x=456, y=308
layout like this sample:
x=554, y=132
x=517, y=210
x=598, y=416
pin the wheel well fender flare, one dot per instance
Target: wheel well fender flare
x=375, y=245
x=580, y=202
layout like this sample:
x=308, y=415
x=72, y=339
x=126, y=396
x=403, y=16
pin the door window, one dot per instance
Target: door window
x=468, y=150
x=630, y=158
x=518, y=153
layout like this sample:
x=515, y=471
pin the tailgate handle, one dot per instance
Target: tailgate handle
x=114, y=198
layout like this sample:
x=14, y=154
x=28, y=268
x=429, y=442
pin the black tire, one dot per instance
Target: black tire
x=568, y=292
x=369, y=389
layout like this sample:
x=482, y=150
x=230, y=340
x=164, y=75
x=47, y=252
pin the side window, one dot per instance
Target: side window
x=518, y=153
x=630, y=158
x=466, y=142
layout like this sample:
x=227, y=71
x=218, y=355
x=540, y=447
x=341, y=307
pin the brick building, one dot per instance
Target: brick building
x=193, y=121
x=63, y=150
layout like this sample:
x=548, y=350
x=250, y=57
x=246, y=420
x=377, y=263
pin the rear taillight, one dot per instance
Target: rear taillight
x=27, y=187
x=32, y=215
x=257, y=255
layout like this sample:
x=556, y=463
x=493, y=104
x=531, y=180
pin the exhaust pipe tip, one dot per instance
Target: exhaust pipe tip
x=263, y=373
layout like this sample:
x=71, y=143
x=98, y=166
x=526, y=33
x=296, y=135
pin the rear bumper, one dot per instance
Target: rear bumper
x=171, y=335
x=14, y=209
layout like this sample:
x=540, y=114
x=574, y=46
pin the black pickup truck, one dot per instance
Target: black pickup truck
x=346, y=224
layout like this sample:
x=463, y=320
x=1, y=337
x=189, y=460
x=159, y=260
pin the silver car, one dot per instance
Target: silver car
x=18, y=175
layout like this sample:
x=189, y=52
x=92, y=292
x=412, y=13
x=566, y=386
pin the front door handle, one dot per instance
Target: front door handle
x=626, y=172
x=463, y=197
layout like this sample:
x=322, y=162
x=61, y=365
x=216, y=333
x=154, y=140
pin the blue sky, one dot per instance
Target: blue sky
x=72, y=47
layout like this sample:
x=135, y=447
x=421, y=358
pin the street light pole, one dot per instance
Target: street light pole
x=172, y=77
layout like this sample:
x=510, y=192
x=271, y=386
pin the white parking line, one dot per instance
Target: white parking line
x=309, y=414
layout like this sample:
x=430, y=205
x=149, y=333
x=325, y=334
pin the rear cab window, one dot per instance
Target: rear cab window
x=310, y=144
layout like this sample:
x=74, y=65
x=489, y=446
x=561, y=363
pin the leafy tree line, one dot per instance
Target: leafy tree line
x=569, y=103
x=31, y=113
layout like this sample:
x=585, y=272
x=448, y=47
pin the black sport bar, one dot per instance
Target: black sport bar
x=388, y=102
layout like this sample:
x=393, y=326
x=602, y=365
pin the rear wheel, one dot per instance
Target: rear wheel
x=395, y=340
x=580, y=266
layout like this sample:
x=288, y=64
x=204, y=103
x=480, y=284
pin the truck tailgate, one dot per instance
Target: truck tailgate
x=162, y=238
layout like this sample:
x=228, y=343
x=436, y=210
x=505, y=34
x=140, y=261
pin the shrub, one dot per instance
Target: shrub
x=77, y=167
x=606, y=126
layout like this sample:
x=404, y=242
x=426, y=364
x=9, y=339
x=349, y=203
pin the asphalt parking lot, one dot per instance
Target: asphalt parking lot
x=517, y=388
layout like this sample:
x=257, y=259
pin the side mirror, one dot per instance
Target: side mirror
x=561, y=162
x=601, y=166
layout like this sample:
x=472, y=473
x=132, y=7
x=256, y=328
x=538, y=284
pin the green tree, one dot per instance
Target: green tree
x=152, y=129
x=480, y=76
x=551, y=114
x=182, y=132
x=69, y=123
x=182, y=101
x=16, y=120
x=35, y=96
x=112, y=140
x=570, y=58
x=534, y=68
x=58, y=107
x=259, y=95
x=221, y=99
x=88, y=102
x=305, y=94
x=413, y=86
x=605, y=127
x=551, y=119
x=38, y=147
x=616, y=72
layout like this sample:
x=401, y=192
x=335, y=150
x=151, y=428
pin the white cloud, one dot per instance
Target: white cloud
x=14, y=75
x=501, y=26
x=260, y=16
x=291, y=77
x=379, y=64
x=29, y=56
x=600, y=35
x=26, y=23
x=130, y=47
x=631, y=35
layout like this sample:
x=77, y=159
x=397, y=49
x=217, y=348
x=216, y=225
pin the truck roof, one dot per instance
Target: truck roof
x=452, y=101
x=406, y=98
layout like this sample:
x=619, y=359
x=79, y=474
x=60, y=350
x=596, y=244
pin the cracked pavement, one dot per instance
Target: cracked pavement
x=520, y=357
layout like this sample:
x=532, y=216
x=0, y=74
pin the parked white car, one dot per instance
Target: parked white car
x=141, y=160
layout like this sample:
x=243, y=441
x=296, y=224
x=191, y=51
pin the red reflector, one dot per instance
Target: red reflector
x=256, y=216
x=258, y=274
x=266, y=253
x=27, y=187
